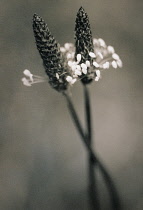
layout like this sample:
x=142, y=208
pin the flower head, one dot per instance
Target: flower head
x=101, y=58
x=95, y=54
x=66, y=65
x=50, y=53
x=83, y=40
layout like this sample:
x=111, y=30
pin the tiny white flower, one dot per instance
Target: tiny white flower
x=62, y=49
x=92, y=55
x=77, y=72
x=78, y=57
x=106, y=65
x=69, y=56
x=31, y=79
x=69, y=78
x=87, y=63
x=110, y=49
x=95, y=41
x=84, y=71
x=100, y=55
x=115, y=56
x=95, y=64
x=98, y=73
x=83, y=66
x=70, y=63
x=101, y=42
x=57, y=76
x=26, y=82
x=114, y=64
x=119, y=63
x=73, y=67
x=73, y=81
x=67, y=46
x=27, y=73
x=78, y=67
x=96, y=79
x=72, y=54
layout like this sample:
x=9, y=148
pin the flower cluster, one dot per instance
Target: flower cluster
x=68, y=64
x=103, y=57
x=30, y=79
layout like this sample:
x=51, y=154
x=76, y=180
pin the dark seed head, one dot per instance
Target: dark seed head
x=83, y=39
x=50, y=53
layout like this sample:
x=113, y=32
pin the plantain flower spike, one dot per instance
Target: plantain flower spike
x=71, y=63
x=83, y=41
x=50, y=53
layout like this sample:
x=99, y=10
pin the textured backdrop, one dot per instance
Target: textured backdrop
x=42, y=160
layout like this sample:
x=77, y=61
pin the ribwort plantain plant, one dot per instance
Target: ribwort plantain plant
x=83, y=61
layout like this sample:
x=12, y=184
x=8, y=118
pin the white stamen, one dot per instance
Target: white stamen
x=84, y=71
x=25, y=82
x=95, y=64
x=95, y=41
x=31, y=79
x=115, y=56
x=74, y=63
x=110, y=49
x=73, y=67
x=57, y=76
x=98, y=73
x=27, y=73
x=101, y=42
x=77, y=72
x=96, y=79
x=83, y=66
x=119, y=63
x=92, y=55
x=69, y=56
x=72, y=54
x=70, y=63
x=67, y=46
x=78, y=67
x=62, y=49
x=69, y=78
x=73, y=81
x=114, y=64
x=100, y=55
x=87, y=63
x=78, y=57
x=106, y=65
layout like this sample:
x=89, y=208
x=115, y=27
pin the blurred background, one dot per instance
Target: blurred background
x=42, y=159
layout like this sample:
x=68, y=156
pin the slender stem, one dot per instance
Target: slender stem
x=110, y=184
x=88, y=114
x=74, y=116
x=93, y=191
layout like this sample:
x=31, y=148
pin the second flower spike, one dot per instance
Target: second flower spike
x=83, y=40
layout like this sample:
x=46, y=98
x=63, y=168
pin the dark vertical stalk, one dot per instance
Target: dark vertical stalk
x=108, y=180
x=93, y=190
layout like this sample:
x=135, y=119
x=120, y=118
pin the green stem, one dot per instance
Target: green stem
x=110, y=184
x=93, y=190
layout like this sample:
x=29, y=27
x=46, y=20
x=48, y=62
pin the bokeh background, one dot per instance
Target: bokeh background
x=42, y=160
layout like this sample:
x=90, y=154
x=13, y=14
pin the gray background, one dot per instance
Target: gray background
x=42, y=160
